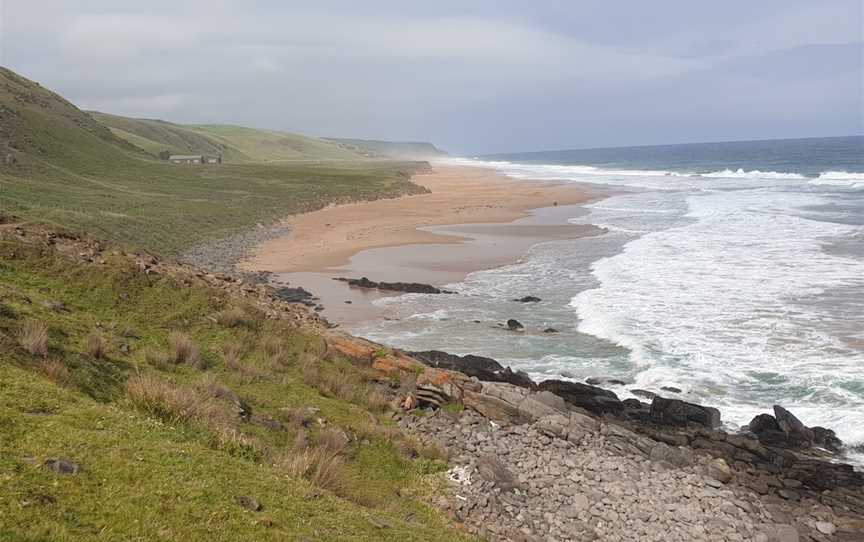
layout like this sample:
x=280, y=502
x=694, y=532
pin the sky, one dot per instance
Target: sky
x=473, y=76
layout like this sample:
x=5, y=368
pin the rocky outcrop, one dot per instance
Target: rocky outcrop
x=590, y=398
x=785, y=430
x=677, y=412
x=405, y=287
x=483, y=368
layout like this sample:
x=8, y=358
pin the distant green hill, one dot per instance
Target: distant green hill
x=234, y=143
x=402, y=150
x=60, y=166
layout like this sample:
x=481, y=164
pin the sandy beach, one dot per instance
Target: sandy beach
x=472, y=219
x=458, y=195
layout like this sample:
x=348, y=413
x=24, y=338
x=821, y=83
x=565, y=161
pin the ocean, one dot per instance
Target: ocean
x=731, y=271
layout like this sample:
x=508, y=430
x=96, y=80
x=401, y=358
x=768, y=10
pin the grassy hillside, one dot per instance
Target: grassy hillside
x=234, y=143
x=184, y=408
x=401, y=150
x=61, y=167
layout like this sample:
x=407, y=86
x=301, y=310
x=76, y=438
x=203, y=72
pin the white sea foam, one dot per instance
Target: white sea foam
x=713, y=306
x=840, y=178
x=754, y=174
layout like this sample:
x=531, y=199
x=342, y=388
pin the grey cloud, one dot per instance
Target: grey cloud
x=483, y=77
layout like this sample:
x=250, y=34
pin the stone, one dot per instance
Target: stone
x=62, y=466
x=719, y=470
x=785, y=533
x=797, y=432
x=825, y=527
x=550, y=330
x=591, y=398
x=604, y=381
x=763, y=422
x=514, y=325
x=249, y=503
x=826, y=438
x=671, y=389
x=528, y=299
x=677, y=412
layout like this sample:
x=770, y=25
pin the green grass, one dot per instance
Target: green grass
x=73, y=172
x=145, y=477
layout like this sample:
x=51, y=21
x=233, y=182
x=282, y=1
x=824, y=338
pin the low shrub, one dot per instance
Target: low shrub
x=95, y=345
x=233, y=317
x=33, y=337
x=55, y=370
x=172, y=403
x=182, y=349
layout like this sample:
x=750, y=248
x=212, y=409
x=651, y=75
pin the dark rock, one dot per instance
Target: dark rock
x=761, y=423
x=293, y=295
x=797, y=433
x=671, y=389
x=407, y=287
x=604, y=381
x=677, y=412
x=643, y=393
x=826, y=438
x=248, y=503
x=62, y=466
x=485, y=369
x=528, y=299
x=514, y=325
x=550, y=330
x=591, y=398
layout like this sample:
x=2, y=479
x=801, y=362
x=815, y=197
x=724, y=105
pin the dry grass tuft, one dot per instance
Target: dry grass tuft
x=33, y=337
x=233, y=354
x=182, y=349
x=323, y=468
x=172, y=403
x=55, y=370
x=233, y=317
x=95, y=345
x=158, y=359
x=275, y=350
x=332, y=440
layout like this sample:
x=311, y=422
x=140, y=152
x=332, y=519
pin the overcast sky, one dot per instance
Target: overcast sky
x=496, y=75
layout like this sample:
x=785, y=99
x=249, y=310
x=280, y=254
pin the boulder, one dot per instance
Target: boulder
x=494, y=408
x=550, y=330
x=763, y=422
x=407, y=287
x=514, y=325
x=671, y=389
x=485, y=369
x=719, y=470
x=62, y=466
x=528, y=299
x=677, y=412
x=797, y=433
x=591, y=398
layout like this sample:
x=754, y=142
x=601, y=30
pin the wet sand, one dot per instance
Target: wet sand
x=473, y=219
x=459, y=195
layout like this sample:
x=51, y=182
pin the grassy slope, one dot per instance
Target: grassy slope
x=415, y=150
x=144, y=477
x=234, y=143
x=72, y=172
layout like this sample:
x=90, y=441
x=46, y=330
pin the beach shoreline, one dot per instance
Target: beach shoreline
x=328, y=238
x=473, y=219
